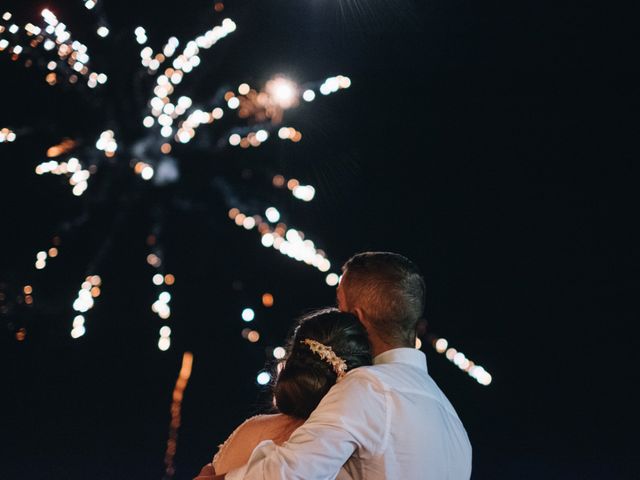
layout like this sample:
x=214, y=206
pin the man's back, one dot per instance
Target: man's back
x=423, y=436
x=386, y=421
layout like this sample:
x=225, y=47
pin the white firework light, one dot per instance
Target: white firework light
x=246, y=116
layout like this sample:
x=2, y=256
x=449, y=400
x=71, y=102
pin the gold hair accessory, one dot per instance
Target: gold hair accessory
x=328, y=355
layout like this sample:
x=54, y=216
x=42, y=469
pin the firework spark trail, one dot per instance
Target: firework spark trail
x=176, y=406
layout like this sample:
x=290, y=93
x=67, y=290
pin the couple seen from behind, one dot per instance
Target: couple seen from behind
x=354, y=398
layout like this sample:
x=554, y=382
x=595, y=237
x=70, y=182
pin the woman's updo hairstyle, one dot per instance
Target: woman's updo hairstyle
x=306, y=377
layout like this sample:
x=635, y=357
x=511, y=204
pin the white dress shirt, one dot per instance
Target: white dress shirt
x=386, y=421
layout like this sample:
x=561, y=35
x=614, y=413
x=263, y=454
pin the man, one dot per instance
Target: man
x=386, y=421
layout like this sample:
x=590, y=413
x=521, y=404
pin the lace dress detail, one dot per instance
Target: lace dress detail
x=236, y=450
x=223, y=446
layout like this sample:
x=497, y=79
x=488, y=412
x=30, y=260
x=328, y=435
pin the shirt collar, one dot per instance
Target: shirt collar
x=408, y=356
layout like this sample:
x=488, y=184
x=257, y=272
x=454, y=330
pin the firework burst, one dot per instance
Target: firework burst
x=169, y=121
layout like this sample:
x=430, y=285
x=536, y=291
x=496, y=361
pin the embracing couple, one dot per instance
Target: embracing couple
x=354, y=398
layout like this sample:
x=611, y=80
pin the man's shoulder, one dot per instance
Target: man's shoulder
x=364, y=373
x=384, y=374
x=362, y=380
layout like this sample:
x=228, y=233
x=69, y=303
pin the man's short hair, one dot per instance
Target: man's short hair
x=389, y=289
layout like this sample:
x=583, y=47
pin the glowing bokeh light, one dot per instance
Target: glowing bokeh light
x=332, y=279
x=263, y=378
x=248, y=314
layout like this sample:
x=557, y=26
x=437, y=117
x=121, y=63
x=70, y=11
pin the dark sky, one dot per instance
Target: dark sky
x=493, y=144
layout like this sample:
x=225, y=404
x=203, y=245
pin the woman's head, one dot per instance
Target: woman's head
x=306, y=377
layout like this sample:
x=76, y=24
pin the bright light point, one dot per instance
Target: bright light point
x=249, y=223
x=243, y=89
x=332, y=279
x=165, y=120
x=304, y=192
x=279, y=352
x=103, y=31
x=165, y=297
x=248, y=314
x=273, y=215
x=217, y=113
x=253, y=336
x=324, y=265
x=441, y=345
x=164, y=343
x=79, y=189
x=148, y=121
x=333, y=84
x=284, y=133
x=458, y=358
x=165, y=331
x=233, y=103
x=267, y=300
x=147, y=173
x=139, y=31
x=309, y=95
x=263, y=378
x=184, y=136
x=78, y=331
x=451, y=353
x=234, y=139
x=292, y=235
x=485, y=379
x=228, y=25
x=267, y=240
x=41, y=255
x=166, y=131
x=262, y=135
x=344, y=82
x=78, y=321
x=102, y=78
x=283, y=91
x=418, y=343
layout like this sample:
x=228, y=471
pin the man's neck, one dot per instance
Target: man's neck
x=379, y=346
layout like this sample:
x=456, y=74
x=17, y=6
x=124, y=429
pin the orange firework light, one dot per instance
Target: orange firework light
x=176, y=405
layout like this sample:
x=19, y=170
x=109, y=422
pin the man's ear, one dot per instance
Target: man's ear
x=361, y=316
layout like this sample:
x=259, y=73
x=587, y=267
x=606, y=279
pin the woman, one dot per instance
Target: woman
x=325, y=345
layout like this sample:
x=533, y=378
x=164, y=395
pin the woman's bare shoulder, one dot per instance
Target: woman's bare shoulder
x=236, y=450
x=267, y=419
x=272, y=421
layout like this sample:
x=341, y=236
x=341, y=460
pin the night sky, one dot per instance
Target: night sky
x=490, y=143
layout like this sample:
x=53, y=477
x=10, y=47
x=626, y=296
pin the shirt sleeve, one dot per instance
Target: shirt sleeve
x=350, y=418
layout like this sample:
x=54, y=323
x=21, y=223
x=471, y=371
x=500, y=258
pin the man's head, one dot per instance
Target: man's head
x=387, y=292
